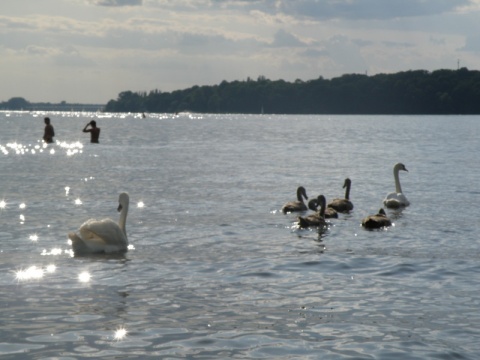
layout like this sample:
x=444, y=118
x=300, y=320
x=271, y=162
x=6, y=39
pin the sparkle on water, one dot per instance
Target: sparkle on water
x=70, y=149
x=84, y=277
x=31, y=273
x=120, y=333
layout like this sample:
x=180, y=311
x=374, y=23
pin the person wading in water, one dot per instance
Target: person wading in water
x=94, y=131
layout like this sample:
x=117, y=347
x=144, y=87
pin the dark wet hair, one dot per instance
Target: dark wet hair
x=93, y=123
x=47, y=120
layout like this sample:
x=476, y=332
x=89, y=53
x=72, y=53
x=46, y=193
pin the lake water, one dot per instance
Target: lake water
x=216, y=271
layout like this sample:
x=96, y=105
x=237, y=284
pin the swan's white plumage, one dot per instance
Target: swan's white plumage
x=96, y=236
x=396, y=199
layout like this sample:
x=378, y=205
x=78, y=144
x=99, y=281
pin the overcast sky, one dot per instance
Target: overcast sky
x=88, y=51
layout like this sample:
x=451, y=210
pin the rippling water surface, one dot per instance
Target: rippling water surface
x=216, y=270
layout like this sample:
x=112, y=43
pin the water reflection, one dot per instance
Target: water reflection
x=395, y=214
x=31, y=273
x=120, y=334
x=34, y=272
x=51, y=268
x=84, y=277
x=70, y=149
x=56, y=252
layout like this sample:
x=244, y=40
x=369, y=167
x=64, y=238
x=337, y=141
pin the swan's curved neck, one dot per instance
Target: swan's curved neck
x=398, y=187
x=347, y=192
x=300, y=195
x=123, y=218
x=322, y=210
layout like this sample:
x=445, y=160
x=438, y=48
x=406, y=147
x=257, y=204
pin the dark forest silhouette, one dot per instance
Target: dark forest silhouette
x=407, y=92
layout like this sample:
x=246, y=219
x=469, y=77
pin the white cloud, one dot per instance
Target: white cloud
x=172, y=44
x=117, y=2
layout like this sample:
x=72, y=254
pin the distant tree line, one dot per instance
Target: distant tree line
x=408, y=92
x=19, y=103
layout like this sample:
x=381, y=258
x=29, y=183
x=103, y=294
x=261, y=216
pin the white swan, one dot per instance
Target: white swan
x=397, y=199
x=103, y=236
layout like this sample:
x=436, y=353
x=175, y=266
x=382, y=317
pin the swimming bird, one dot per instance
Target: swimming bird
x=329, y=212
x=317, y=219
x=298, y=205
x=103, y=236
x=343, y=205
x=376, y=221
x=397, y=199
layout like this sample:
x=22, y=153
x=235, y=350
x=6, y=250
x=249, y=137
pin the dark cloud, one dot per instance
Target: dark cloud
x=118, y=2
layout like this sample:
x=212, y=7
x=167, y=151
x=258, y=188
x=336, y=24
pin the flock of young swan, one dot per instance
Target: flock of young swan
x=322, y=210
x=107, y=236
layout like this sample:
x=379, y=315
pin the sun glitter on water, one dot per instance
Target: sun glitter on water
x=30, y=273
x=84, y=277
x=34, y=272
x=120, y=333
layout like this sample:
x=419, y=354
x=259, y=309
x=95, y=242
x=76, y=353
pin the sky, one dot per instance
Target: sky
x=89, y=51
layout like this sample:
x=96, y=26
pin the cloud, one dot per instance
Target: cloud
x=117, y=2
x=397, y=45
x=368, y=9
x=283, y=38
x=170, y=44
x=314, y=53
x=472, y=43
x=345, y=54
